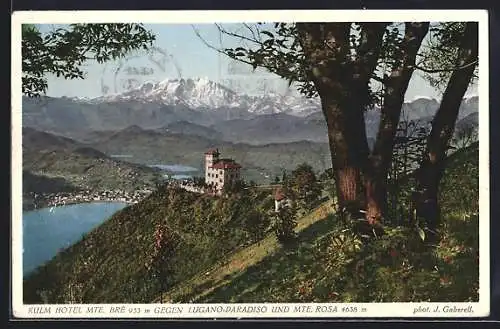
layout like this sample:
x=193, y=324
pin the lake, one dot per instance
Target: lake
x=47, y=231
x=176, y=171
x=175, y=168
x=121, y=156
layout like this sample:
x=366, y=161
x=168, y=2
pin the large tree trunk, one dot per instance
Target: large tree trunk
x=342, y=84
x=325, y=47
x=396, y=85
x=443, y=126
x=348, y=152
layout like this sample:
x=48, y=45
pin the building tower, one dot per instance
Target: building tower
x=211, y=157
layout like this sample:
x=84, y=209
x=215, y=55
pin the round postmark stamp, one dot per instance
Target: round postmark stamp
x=131, y=72
x=242, y=78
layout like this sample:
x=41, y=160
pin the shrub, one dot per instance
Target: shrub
x=284, y=225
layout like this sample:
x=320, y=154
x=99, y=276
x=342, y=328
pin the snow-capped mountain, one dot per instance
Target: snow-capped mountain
x=202, y=94
x=194, y=93
x=186, y=105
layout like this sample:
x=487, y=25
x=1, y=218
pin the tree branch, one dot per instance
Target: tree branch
x=222, y=30
x=423, y=69
x=252, y=31
x=209, y=45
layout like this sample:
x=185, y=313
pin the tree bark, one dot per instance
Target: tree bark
x=432, y=165
x=396, y=85
x=348, y=152
x=325, y=47
x=342, y=84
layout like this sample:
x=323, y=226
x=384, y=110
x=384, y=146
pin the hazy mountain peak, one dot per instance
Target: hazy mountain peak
x=203, y=94
x=193, y=92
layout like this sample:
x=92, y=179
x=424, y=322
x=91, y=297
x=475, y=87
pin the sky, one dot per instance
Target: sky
x=180, y=53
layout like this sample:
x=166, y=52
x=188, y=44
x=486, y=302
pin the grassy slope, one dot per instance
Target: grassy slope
x=330, y=265
x=223, y=266
x=222, y=272
x=108, y=264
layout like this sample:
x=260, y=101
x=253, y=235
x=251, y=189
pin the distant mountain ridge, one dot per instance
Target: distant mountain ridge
x=188, y=128
x=204, y=108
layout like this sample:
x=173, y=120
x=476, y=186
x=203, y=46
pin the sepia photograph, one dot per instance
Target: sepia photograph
x=250, y=164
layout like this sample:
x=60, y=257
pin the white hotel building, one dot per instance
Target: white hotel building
x=218, y=171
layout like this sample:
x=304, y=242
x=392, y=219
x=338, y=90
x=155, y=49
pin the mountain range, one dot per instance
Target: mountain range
x=204, y=108
x=201, y=94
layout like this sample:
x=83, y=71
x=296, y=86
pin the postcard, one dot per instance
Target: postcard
x=250, y=164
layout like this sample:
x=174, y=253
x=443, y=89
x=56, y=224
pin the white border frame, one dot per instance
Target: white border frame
x=373, y=310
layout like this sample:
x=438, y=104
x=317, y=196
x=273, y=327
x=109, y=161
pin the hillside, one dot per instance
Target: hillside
x=331, y=264
x=109, y=262
x=53, y=164
x=258, y=161
x=219, y=259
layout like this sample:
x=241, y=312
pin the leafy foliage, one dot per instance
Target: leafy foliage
x=305, y=186
x=63, y=51
x=410, y=143
x=460, y=185
x=330, y=261
x=441, y=54
x=352, y=67
x=464, y=137
x=234, y=186
x=278, y=47
x=284, y=224
x=257, y=224
x=331, y=264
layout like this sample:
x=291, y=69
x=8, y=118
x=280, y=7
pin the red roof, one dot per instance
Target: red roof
x=212, y=151
x=226, y=164
x=279, y=195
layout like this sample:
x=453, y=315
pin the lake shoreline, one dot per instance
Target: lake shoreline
x=171, y=172
x=36, y=201
x=70, y=203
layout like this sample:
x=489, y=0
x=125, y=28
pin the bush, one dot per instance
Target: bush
x=159, y=264
x=256, y=224
x=284, y=225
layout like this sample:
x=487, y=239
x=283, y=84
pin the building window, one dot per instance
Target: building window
x=216, y=176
